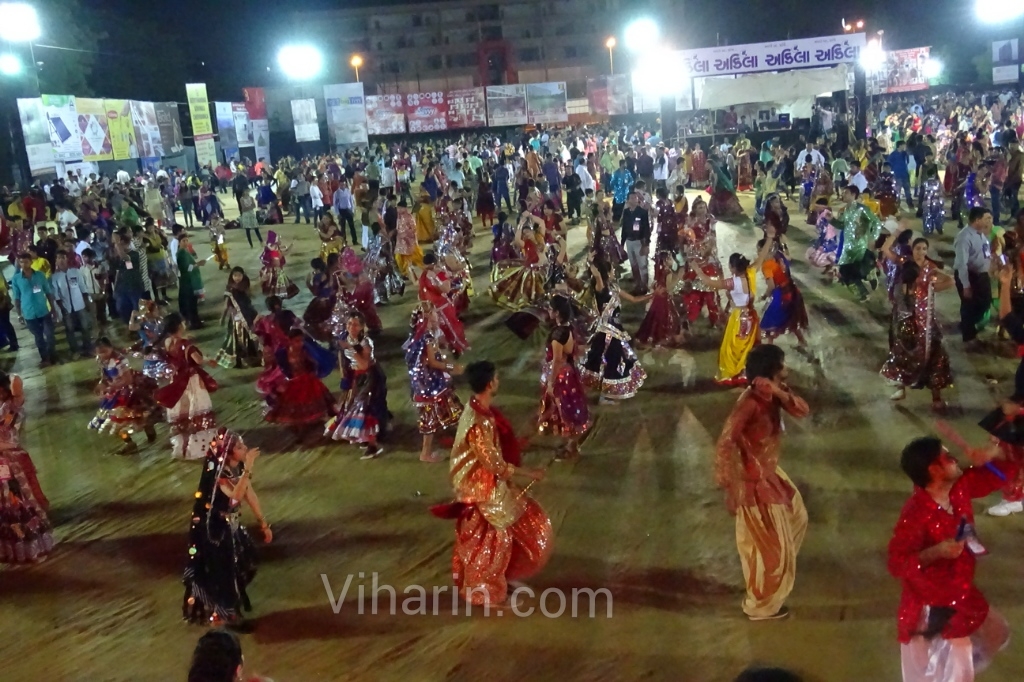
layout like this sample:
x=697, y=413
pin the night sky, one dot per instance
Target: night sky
x=229, y=43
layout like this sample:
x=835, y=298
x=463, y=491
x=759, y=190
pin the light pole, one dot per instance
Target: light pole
x=356, y=62
x=610, y=44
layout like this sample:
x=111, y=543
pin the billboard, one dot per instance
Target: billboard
x=609, y=95
x=346, y=113
x=307, y=128
x=94, y=129
x=65, y=136
x=35, y=130
x=545, y=103
x=467, y=108
x=1005, y=58
x=243, y=126
x=256, y=108
x=169, y=122
x=225, y=125
x=782, y=54
x=122, y=133
x=385, y=115
x=427, y=111
x=902, y=71
x=147, y=130
x=506, y=105
x=199, y=109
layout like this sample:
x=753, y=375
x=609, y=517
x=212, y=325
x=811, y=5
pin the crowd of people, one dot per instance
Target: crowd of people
x=99, y=255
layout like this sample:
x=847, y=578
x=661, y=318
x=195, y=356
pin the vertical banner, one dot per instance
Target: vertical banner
x=307, y=128
x=427, y=111
x=385, y=115
x=1004, y=61
x=243, y=126
x=199, y=109
x=94, y=129
x=35, y=130
x=346, y=113
x=545, y=103
x=206, y=151
x=256, y=108
x=169, y=122
x=226, y=125
x=147, y=130
x=506, y=105
x=62, y=118
x=122, y=133
x=608, y=95
x=902, y=71
x=467, y=108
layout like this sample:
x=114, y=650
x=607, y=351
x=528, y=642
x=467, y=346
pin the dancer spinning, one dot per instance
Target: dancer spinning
x=700, y=248
x=241, y=347
x=363, y=414
x=785, y=311
x=436, y=289
x=431, y=378
x=519, y=283
x=301, y=398
x=127, y=404
x=917, y=357
x=611, y=366
x=563, y=406
x=187, y=397
x=275, y=282
x=662, y=325
x=221, y=561
x=501, y=533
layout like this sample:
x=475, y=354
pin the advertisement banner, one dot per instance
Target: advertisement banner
x=261, y=135
x=199, y=109
x=346, y=113
x=122, y=133
x=147, y=130
x=169, y=122
x=385, y=115
x=1004, y=61
x=609, y=95
x=94, y=130
x=902, y=71
x=35, y=130
x=307, y=128
x=243, y=126
x=255, y=103
x=784, y=54
x=225, y=125
x=467, y=108
x=62, y=118
x=206, y=150
x=545, y=103
x=427, y=111
x=506, y=105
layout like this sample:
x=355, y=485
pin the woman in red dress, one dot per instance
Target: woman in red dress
x=662, y=326
x=563, y=403
x=302, y=398
x=519, y=283
x=272, y=330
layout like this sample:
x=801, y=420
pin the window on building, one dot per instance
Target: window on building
x=488, y=13
x=417, y=20
x=564, y=30
x=530, y=54
x=435, y=62
x=471, y=15
x=491, y=33
x=570, y=52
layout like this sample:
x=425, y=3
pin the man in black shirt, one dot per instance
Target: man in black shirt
x=636, y=238
x=645, y=166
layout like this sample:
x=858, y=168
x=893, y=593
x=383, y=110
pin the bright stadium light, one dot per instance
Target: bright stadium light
x=641, y=35
x=873, y=57
x=660, y=73
x=998, y=11
x=932, y=69
x=9, y=65
x=19, y=22
x=300, y=62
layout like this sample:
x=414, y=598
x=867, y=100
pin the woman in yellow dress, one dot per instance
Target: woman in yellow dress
x=426, y=230
x=742, y=332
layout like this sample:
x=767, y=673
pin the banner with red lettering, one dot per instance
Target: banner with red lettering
x=385, y=115
x=427, y=111
x=467, y=108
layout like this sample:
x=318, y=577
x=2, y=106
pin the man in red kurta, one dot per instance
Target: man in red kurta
x=946, y=630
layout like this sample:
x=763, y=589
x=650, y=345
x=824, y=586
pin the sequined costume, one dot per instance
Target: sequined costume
x=933, y=206
x=894, y=267
x=610, y=365
x=941, y=594
x=742, y=331
x=318, y=311
x=432, y=288
x=272, y=331
x=667, y=226
x=302, y=397
x=563, y=404
x=501, y=533
x=860, y=230
x=662, y=325
x=519, y=283
x=221, y=556
x=154, y=358
x=187, y=400
x=700, y=251
x=723, y=202
x=363, y=415
x=771, y=519
x=824, y=249
x=785, y=311
x=970, y=198
x=272, y=277
x=25, y=531
x=822, y=189
x=433, y=395
x=501, y=247
x=606, y=243
x=887, y=194
x=407, y=249
x=379, y=265
x=126, y=403
x=917, y=358
x=241, y=346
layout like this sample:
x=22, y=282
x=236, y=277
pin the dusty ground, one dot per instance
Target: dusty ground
x=637, y=515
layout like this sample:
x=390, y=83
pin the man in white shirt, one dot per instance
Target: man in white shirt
x=725, y=146
x=67, y=219
x=123, y=178
x=67, y=286
x=586, y=179
x=388, y=177
x=316, y=196
x=73, y=185
x=857, y=178
x=816, y=157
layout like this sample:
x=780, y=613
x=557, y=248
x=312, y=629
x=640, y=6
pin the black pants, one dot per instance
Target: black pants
x=617, y=211
x=854, y=274
x=345, y=217
x=972, y=310
x=575, y=199
x=7, y=329
x=248, y=235
x=188, y=306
